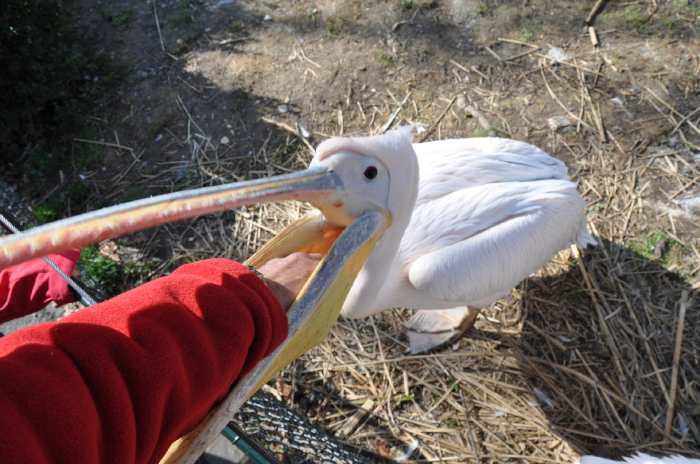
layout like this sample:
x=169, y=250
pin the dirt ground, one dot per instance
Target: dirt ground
x=584, y=357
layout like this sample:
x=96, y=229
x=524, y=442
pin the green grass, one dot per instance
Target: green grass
x=182, y=15
x=87, y=156
x=337, y=26
x=453, y=423
x=669, y=255
x=135, y=192
x=492, y=132
x=236, y=27
x=120, y=19
x=681, y=13
x=385, y=59
x=123, y=18
x=684, y=6
x=103, y=270
x=411, y=4
x=405, y=399
x=671, y=17
x=633, y=16
x=530, y=29
x=45, y=214
x=527, y=34
x=111, y=277
x=480, y=132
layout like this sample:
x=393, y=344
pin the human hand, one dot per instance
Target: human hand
x=286, y=276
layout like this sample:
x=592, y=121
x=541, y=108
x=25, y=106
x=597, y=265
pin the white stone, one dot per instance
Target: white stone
x=558, y=122
x=557, y=55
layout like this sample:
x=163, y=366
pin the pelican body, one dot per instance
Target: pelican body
x=489, y=212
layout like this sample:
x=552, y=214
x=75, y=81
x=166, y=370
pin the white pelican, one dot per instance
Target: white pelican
x=482, y=215
x=640, y=458
x=489, y=213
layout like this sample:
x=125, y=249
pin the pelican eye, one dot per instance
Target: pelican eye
x=371, y=172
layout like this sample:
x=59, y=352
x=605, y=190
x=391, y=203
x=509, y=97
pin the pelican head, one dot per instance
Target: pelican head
x=385, y=168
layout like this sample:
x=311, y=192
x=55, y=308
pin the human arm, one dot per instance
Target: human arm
x=28, y=287
x=120, y=381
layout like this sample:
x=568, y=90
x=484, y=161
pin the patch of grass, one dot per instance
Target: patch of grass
x=681, y=12
x=182, y=15
x=480, y=132
x=123, y=18
x=646, y=247
x=337, y=26
x=132, y=193
x=110, y=277
x=137, y=271
x=492, y=132
x=526, y=35
x=453, y=423
x=385, y=59
x=120, y=19
x=659, y=246
x=411, y=4
x=44, y=214
x=686, y=6
x=632, y=16
x=236, y=27
x=530, y=29
x=671, y=18
x=104, y=271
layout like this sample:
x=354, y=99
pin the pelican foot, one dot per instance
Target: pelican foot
x=430, y=329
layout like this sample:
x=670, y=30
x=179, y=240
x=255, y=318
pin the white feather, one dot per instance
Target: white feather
x=489, y=213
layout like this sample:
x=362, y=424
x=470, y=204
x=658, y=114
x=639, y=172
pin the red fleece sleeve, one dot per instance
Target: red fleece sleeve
x=28, y=287
x=120, y=381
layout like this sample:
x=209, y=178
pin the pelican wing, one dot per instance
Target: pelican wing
x=473, y=245
x=450, y=165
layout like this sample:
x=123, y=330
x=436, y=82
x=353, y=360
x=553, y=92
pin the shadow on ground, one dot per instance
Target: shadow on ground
x=597, y=346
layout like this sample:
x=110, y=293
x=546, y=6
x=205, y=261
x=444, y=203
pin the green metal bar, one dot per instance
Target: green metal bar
x=251, y=449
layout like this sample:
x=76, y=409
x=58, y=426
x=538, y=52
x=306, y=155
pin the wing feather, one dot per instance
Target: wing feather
x=475, y=244
x=450, y=165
